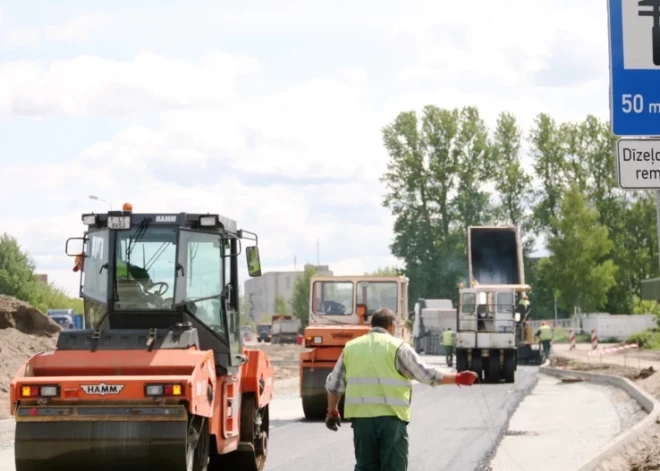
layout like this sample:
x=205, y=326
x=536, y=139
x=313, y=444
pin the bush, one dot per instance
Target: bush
x=648, y=339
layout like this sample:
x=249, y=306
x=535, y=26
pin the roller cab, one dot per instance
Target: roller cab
x=161, y=380
x=340, y=307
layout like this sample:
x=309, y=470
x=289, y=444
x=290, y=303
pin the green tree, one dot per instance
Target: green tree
x=281, y=306
x=425, y=157
x=579, y=267
x=387, y=271
x=18, y=279
x=301, y=294
x=511, y=182
x=549, y=156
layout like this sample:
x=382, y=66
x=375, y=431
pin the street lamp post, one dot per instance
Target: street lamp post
x=92, y=197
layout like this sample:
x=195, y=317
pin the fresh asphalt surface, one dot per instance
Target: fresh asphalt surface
x=452, y=428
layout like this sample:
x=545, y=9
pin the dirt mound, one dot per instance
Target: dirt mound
x=15, y=349
x=19, y=315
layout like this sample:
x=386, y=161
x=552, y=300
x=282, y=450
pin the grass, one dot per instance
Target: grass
x=648, y=339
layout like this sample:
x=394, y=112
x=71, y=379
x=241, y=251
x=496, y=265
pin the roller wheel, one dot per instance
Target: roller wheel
x=197, y=447
x=315, y=406
x=253, y=448
x=493, y=369
x=477, y=366
x=509, y=367
x=461, y=361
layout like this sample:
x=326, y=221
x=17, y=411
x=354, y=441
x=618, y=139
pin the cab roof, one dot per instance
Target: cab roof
x=187, y=220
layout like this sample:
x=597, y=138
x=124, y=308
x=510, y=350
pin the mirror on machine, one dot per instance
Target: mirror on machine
x=253, y=261
x=74, y=246
x=516, y=316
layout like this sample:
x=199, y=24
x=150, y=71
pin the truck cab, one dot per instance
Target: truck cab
x=340, y=310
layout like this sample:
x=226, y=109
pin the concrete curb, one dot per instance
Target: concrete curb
x=649, y=403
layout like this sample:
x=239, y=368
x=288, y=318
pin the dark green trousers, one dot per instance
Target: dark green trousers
x=381, y=444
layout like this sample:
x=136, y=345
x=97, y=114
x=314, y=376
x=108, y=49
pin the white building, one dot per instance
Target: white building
x=260, y=292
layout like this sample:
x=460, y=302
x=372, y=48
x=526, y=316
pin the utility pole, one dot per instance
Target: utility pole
x=318, y=256
x=555, y=310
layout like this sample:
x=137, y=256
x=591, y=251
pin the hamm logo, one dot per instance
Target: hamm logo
x=102, y=389
x=342, y=335
x=165, y=218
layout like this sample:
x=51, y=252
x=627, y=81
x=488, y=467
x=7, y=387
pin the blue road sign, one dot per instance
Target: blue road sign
x=635, y=67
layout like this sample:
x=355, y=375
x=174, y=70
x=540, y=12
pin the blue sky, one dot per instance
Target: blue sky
x=268, y=113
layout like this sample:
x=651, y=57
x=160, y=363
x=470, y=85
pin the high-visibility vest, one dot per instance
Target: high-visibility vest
x=524, y=302
x=447, y=338
x=121, y=269
x=546, y=333
x=374, y=387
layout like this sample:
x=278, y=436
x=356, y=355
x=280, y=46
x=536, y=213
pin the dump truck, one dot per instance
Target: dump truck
x=161, y=379
x=263, y=333
x=284, y=329
x=431, y=317
x=340, y=310
x=488, y=326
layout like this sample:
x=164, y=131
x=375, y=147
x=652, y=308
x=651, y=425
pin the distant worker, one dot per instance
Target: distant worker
x=448, y=343
x=545, y=336
x=375, y=372
x=523, y=307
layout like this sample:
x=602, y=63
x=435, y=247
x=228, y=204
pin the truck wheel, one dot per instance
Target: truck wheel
x=509, y=367
x=477, y=365
x=493, y=369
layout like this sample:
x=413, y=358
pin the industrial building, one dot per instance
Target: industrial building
x=261, y=292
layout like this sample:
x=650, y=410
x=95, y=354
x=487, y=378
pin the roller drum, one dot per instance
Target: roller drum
x=100, y=445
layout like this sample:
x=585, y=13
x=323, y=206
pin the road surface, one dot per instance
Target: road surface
x=452, y=428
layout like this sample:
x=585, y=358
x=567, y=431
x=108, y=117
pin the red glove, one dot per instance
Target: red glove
x=466, y=378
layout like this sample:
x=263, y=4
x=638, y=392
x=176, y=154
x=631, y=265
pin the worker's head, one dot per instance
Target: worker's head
x=461, y=285
x=524, y=295
x=543, y=323
x=385, y=319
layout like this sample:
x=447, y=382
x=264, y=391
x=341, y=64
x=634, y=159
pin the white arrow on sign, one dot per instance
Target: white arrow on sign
x=638, y=164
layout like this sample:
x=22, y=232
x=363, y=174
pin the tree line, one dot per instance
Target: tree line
x=447, y=170
x=19, y=279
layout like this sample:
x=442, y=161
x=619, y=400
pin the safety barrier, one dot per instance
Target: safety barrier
x=594, y=339
x=618, y=348
x=571, y=339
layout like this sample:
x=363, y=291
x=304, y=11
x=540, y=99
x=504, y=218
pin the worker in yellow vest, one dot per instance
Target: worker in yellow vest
x=375, y=373
x=139, y=274
x=545, y=336
x=448, y=343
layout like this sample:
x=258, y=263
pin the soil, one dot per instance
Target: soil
x=24, y=331
x=644, y=453
x=285, y=358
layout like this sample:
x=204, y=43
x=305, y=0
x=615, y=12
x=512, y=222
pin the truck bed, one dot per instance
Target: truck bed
x=495, y=255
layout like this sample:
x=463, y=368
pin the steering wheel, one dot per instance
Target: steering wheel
x=164, y=288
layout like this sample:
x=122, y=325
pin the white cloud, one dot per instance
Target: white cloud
x=21, y=37
x=79, y=29
x=219, y=146
x=87, y=85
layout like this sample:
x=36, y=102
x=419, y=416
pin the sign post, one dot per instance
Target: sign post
x=634, y=27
